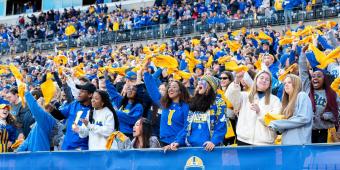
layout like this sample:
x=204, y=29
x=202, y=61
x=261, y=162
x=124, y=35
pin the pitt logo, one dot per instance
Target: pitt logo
x=194, y=162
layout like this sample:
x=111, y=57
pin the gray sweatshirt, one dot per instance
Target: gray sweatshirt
x=297, y=130
x=327, y=120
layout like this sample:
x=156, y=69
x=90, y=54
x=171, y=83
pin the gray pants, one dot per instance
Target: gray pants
x=288, y=15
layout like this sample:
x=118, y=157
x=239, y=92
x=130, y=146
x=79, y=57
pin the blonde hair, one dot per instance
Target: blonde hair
x=253, y=90
x=288, y=102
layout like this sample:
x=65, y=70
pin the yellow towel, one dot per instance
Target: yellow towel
x=115, y=135
x=270, y=117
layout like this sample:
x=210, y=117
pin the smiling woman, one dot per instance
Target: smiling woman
x=100, y=122
x=7, y=128
x=252, y=108
x=173, y=103
x=324, y=100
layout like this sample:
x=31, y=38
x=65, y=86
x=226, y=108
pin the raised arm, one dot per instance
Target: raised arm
x=303, y=72
x=151, y=87
x=114, y=95
x=44, y=119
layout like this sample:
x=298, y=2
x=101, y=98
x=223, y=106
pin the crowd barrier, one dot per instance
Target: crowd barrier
x=252, y=157
x=182, y=29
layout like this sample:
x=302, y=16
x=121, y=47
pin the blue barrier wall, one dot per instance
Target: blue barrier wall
x=271, y=157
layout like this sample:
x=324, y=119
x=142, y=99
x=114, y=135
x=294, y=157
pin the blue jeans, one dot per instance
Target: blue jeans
x=288, y=15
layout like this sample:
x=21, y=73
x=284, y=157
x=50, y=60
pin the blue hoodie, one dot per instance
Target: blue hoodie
x=39, y=137
x=172, y=118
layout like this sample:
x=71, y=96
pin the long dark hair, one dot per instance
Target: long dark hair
x=10, y=119
x=137, y=99
x=107, y=103
x=331, y=105
x=183, y=92
x=146, y=133
x=202, y=102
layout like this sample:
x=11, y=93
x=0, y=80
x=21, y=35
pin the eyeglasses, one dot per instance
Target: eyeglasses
x=224, y=78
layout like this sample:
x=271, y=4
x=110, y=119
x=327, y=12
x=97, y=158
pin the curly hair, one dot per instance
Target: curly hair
x=202, y=102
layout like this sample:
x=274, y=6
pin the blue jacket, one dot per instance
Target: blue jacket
x=172, y=118
x=324, y=43
x=72, y=140
x=39, y=137
x=127, y=116
x=203, y=127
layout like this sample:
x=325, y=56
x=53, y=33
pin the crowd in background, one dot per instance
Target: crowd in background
x=243, y=88
x=98, y=18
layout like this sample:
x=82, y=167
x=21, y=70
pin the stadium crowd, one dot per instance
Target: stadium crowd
x=51, y=25
x=246, y=87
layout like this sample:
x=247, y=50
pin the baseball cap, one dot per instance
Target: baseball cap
x=87, y=86
x=4, y=106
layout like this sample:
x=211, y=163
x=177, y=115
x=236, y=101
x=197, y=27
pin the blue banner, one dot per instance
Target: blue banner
x=2, y=8
x=57, y=4
x=269, y=157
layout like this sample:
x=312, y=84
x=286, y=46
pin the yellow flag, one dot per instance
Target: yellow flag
x=195, y=42
x=60, y=60
x=334, y=54
x=184, y=75
x=165, y=61
x=264, y=36
x=335, y=86
x=278, y=140
x=16, y=72
x=115, y=135
x=210, y=61
x=270, y=117
x=146, y=50
x=286, y=41
x=78, y=70
x=48, y=89
x=232, y=65
x=21, y=92
x=191, y=60
x=287, y=71
x=230, y=131
x=258, y=64
x=278, y=5
x=224, y=59
x=233, y=45
x=119, y=70
x=306, y=40
x=70, y=30
x=323, y=60
x=329, y=135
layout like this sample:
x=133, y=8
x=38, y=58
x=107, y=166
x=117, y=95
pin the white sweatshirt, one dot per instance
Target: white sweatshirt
x=98, y=132
x=250, y=127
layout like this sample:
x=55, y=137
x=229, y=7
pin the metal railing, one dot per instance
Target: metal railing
x=184, y=28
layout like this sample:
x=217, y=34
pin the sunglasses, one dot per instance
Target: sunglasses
x=224, y=78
